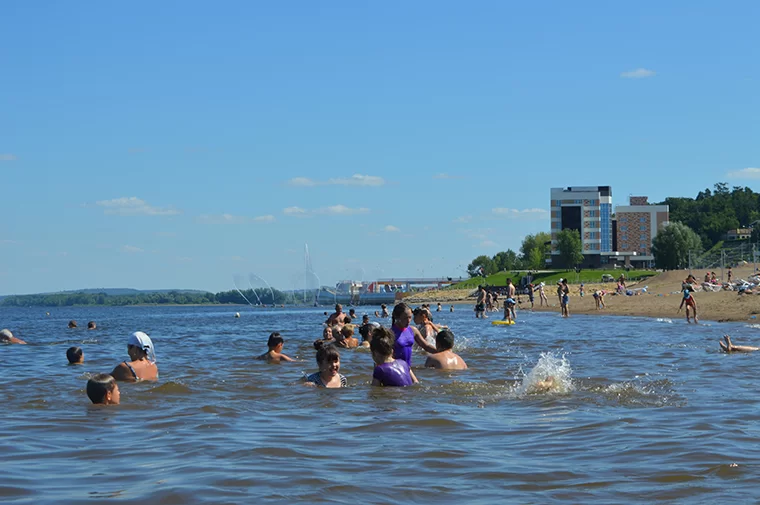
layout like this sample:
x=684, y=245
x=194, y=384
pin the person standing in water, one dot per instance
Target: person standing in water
x=445, y=358
x=406, y=336
x=143, y=364
x=480, y=303
x=388, y=371
x=565, y=298
x=690, y=302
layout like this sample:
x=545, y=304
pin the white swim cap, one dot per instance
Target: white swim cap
x=5, y=335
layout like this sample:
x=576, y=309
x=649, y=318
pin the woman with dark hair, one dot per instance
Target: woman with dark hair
x=143, y=364
x=406, y=336
x=328, y=360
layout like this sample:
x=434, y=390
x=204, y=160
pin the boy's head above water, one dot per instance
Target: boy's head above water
x=102, y=389
x=75, y=355
x=444, y=340
x=275, y=342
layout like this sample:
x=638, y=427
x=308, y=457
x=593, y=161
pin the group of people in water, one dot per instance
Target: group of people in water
x=391, y=348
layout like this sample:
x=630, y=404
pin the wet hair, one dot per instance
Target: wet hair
x=399, y=309
x=99, y=385
x=72, y=324
x=351, y=311
x=91, y=325
x=382, y=342
x=274, y=340
x=423, y=311
x=326, y=353
x=347, y=331
x=444, y=340
x=74, y=354
x=347, y=320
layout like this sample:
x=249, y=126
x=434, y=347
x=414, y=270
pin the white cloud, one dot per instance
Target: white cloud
x=231, y=219
x=520, y=214
x=294, y=211
x=463, y=219
x=131, y=249
x=133, y=206
x=639, y=73
x=302, y=181
x=341, y=210
x=745, y=173
x=8, y=157
x=354, y=180
x=358, y=180
x=391, y=228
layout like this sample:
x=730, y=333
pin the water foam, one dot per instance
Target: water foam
x=664, y=320
x=548, y=365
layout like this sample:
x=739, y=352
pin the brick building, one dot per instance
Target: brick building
x=637, y=225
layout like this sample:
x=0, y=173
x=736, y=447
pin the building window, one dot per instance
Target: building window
x=642, y=237
x=642, y=228
x=624, y=228
x=643, y=220
x=624, y=237
x=643, y=247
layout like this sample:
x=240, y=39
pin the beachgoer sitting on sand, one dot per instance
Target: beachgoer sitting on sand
x=6, y=337
x=103, y=390
x=690, y=302
x=729, y=347
x=275, y=343
x=143, y=364
x=388, y=371
x=445, y=358
x=328, y=376
x=75, y=355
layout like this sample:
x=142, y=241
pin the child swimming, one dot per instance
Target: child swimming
x=328, y=360
x=75, y=355
x=388, y=371
x=274, y=354
x=445, y=358
x=102, y=389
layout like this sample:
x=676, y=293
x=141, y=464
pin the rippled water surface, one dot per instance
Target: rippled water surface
x=646, y=410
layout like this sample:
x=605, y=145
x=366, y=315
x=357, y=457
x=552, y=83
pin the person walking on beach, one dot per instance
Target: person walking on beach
x=542, y=295
x=730, y=275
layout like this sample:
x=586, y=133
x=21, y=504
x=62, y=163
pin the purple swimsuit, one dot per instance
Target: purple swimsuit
x=402, y=348
x=395, y=373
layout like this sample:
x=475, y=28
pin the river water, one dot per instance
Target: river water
x=645, y=411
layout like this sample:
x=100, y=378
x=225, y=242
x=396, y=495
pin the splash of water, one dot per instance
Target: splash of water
x=551, y=374
x=664, y=320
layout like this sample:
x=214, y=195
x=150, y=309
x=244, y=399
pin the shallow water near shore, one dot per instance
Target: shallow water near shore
x=645, y=410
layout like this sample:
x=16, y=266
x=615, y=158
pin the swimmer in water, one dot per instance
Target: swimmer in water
x=328, y=360
x=365, y=331
x=338, y=317
x=729, y=347
x=103, y=390
x=388, y=371
x=75, y=355
x=406, y=336
x=438, y=309
x=274, y=354
x=72, y=324
x=143, y=365
x=91, y=325
x=384, y=312
x=423, y=320
x=445, y=358
x=345, y=338
x=352, y=313
x=6, y=337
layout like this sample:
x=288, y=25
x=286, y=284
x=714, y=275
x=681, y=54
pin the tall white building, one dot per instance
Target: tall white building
x=587, y=209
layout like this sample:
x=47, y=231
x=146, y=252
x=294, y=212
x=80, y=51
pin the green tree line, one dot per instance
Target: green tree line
x=532, y=256
x=168, y=298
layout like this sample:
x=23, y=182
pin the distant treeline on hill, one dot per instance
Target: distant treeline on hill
x=713, y=213
x=263, y=296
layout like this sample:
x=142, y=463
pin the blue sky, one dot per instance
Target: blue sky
x=175, y=144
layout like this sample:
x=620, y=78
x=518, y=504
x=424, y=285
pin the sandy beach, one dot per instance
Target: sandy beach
x=661, y=299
